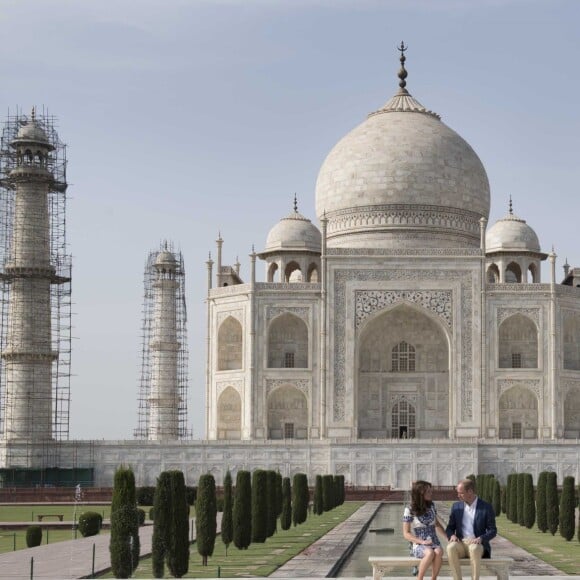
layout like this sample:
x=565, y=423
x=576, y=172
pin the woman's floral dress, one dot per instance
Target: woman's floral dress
x=423, y=527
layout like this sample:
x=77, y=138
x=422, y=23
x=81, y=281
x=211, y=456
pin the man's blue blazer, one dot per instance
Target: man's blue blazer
x=483, y=526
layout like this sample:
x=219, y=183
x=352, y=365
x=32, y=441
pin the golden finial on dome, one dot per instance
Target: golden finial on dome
x=511, y=209
x=402, y=71
x=33, y=114
x=295, y=204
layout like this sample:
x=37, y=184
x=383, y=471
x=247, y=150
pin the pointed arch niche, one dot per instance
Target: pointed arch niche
x=518, y=343
x=287, y=414
x=518, y=414
x=572, y=414
x=229, y=418
x=230, y=339
x=403, y=354
x=288, y=342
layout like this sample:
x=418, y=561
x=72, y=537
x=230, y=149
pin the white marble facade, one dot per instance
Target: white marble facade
x=403, y=339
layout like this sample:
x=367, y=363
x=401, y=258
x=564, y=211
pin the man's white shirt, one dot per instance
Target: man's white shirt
x=469, y=519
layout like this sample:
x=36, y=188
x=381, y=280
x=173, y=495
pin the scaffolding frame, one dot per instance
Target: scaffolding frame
x=59, y=280
x=148, y=355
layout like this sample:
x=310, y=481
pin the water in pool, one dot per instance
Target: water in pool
x=378, y=544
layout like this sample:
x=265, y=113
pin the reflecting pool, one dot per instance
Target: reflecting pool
x=379, y=544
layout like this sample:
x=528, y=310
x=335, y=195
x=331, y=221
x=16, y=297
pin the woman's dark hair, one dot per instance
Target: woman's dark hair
x=419, y=505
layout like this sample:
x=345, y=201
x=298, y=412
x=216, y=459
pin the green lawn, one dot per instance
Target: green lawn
x=28, y=513
x=9, y=539
x=552, y=549
x=259, y=559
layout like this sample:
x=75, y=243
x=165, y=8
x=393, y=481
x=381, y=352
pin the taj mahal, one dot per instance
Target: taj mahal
x=401, y=338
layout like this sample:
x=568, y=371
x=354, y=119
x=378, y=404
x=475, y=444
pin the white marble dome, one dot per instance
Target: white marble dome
x=511, y=234
x=402, y=178
x=294, y=233
x=165, y=259
x=32, y=132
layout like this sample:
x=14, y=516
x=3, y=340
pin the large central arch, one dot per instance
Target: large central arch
x=403, y=361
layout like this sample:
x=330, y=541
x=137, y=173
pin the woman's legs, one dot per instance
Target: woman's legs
x=437, y=561
x=425, y=563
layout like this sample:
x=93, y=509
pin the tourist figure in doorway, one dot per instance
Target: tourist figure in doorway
x=471, y=526
x=420, y=525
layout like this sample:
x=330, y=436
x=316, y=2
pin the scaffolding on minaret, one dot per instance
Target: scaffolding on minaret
x=163, y=386
x=35, y=290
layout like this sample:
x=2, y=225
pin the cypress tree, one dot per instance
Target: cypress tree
x=541, y=515
x=496, y=497
x=318, y=506
x=205, y=517
x=259, y=506
x=503, y=498
x=300, y=498
x=336, y=490
x=520, y=499
x=529, y=502
x=479, y=484
x=177, y=556
x=286, y=515
x=507, y=495
x=513, y=504
x=227, y=527
x=242, y=513
x=552, y=508
x=278, y=494
x=124, y=542
x=568, y=509
x=272, y=514
x=327, y=493
x=162, y=507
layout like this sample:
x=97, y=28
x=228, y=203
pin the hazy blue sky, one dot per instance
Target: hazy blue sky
x=188, y=117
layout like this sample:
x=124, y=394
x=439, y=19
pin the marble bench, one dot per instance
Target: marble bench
x=381, y=564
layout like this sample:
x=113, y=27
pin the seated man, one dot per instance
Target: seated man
x=471, y=526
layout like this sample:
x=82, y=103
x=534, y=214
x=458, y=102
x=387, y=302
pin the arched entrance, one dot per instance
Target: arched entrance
x=403, y=376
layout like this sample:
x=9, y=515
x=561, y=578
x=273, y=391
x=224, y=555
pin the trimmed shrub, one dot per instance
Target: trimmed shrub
x=327, y=493
x=124, y=544
x=568, y=509
x=503, y=498
x=496, y=497
x=140, y=516
x=161, y=508
x=529, y=502
x=541, y=515
x=33, y=536
x=552, y=507
x=271, y=502
x=317, y=507
x=227, y=527
x=286, y=515
x=205, y=517
x=145, y=495
x=242, y=512
x=300, y=498
x=90, y=523
x=513, y=498
x=259, y=506
x=177, y=555
x=152, y=514
x=479, y=484
x=520, y=499
x=278, y=494
x=507, y=495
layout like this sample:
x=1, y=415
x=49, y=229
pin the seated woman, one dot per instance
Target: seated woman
x=420, y=526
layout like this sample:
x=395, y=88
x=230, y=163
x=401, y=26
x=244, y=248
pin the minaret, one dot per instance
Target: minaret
x=33, y=180
x=163, y=406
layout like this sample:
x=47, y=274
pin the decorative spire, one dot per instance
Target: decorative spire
x=33, y=115
x=402, y=71
x=511, y=206
x=295, y=204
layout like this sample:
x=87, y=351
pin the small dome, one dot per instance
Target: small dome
x=294, y=233
x=511, y=234
x=32, y=132
x=165, y=259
